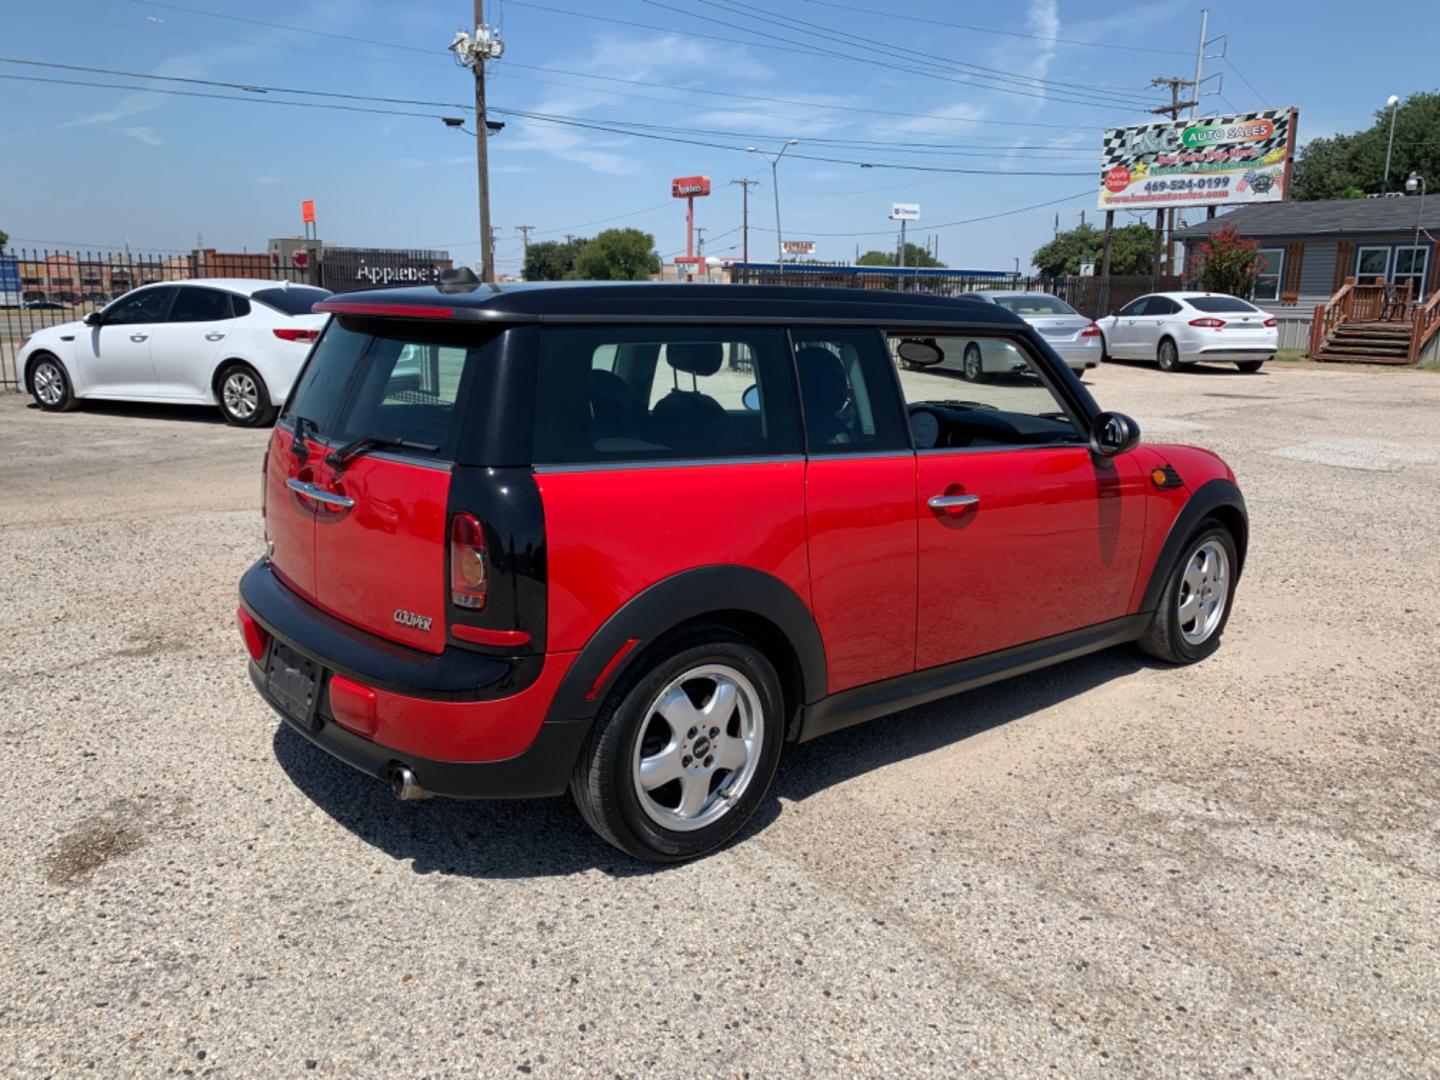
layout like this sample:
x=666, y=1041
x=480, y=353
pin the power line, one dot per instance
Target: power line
x=282, y=26
x=902, y=52
x=970, y=79
x=1087, y=193
x=1259, y=96
x=889, y=15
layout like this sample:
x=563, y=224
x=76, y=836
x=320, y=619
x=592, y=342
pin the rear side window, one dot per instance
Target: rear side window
x=292, y=300
x=644, y=393
x=200, y=305
x=847, y=390
x=386, y=380
x=1216, y=304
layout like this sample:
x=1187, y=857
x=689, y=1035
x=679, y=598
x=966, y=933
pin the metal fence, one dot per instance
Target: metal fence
x=1091, y=296
x=42, y=287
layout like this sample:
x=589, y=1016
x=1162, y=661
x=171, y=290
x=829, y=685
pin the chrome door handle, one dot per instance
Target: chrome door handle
x=139, y=337
x=950, y=502
x=310, y=491
x=213, y=337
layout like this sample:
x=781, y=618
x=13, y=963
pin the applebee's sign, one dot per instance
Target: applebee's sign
x=689, y=187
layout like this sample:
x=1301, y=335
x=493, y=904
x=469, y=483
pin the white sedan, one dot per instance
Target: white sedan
x=232, y=342
x=1185, y=327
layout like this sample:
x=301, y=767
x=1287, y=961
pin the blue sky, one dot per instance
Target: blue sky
x=97, y=167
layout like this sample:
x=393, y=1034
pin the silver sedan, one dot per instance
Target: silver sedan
x=1075, y=338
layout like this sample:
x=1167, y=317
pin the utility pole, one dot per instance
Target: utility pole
x=1174, y=110
x=472, y=52
x=699, y=240
x=524, y=231
x=745, y=186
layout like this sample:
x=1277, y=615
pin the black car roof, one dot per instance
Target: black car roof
x=670, y=301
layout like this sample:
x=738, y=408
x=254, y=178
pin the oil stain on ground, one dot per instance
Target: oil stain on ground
x=124, y=827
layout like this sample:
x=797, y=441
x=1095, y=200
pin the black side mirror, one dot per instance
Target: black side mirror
x=920, y=353
x=93, y=319
x=1113, y=434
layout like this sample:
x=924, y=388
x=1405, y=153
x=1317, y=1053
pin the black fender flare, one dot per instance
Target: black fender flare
x=686, y=596
x=1218, y=494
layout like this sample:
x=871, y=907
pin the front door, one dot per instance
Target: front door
x=1120, y=338
x=118, y=361
x=1023, y=533
x=1146, y=327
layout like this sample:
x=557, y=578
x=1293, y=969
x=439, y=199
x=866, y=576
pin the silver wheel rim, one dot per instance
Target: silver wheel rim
x=1204, y=588
x=972, y=362
x=1167, y=355
x=49, y=383
x=699, y=747
x=241, y=395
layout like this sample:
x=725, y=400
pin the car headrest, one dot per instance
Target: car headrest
x=695, y=357
x=822, y=380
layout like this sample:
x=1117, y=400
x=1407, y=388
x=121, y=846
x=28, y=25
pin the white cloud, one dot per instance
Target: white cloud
x=145, y=135
x=956, y=119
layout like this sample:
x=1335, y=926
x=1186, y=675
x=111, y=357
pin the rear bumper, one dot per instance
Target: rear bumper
x=468, y=725
x=1078, y=356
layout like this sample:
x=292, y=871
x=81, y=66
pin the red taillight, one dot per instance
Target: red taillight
x=399, y=311
x=467, y=562
x=1270, y=321
x=256, y=639
x=1090, y=331
x=353, y=706
x=286, y=334
x=1216, y=323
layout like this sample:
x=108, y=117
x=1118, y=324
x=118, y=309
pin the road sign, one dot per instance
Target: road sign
x=799, y=247
x=904, y=211
x=689, y=187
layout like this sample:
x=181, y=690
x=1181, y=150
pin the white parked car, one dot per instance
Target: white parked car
x=1185, y=327
x=1074, y=337
x=233, y=342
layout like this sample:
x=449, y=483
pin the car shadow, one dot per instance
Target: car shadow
x=547, y=838
x=1217, y=367
x=138, y=410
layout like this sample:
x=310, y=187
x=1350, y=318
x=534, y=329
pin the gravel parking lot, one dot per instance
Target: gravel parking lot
x=1112, y=866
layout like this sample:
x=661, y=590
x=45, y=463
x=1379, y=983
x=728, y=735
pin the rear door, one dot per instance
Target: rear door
x=379, y=516
x=183, y=348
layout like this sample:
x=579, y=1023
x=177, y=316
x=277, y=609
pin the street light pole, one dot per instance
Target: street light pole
x=1417, y=181
x=775, y=183
x=1394, y=105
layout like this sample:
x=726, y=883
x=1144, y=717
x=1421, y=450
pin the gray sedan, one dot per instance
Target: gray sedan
x=1075, y=338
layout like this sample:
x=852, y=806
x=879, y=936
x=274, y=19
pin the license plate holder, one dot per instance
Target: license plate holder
x=293, y=681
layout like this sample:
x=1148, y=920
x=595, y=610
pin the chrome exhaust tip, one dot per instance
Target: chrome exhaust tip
x=405, y=786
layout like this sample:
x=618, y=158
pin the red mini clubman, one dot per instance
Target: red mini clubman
x=629, y=540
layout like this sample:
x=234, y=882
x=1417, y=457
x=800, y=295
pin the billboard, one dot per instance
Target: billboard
x=798, y=247
x=904, y=211
x=1211, y=161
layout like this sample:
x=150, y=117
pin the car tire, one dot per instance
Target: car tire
x=50, y=386
x=1197, y=599
x=688, y=804
x=972, y=366
x=1249, y=366
x=1168, y=355
x=243, y=399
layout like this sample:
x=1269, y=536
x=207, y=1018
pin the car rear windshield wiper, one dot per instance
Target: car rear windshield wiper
x=338, y=459
x=297, y=444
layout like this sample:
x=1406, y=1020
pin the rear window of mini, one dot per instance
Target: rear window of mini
x=664, y=393
x=389, y=379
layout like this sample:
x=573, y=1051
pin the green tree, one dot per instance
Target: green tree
x=4, y=239
x=1132, y=251
x=552, y=260
x=915, y=255
x=617, y=255
x=1229, y=262
x=1327, y=168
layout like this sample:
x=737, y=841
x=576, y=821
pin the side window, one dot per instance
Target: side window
x=239, y=306
x=1162, y=305
x=1135, y=307
x=145, y=306
x=847, y=392
x=641, y=393
x=200, y=305
x=1003, y=401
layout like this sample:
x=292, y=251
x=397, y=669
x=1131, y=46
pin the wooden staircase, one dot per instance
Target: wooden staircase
x=1367, y=343
x=1373, y=324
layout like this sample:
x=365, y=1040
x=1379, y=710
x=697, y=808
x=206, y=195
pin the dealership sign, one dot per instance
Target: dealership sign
x=799, y=247
x=904, y=211
x=1212, y=161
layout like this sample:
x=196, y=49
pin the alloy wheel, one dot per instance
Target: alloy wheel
x=1204, y=589
x=1169, y=356
x=699, y=747
x=972, y=363
x=49, y=383
x=241, y=395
